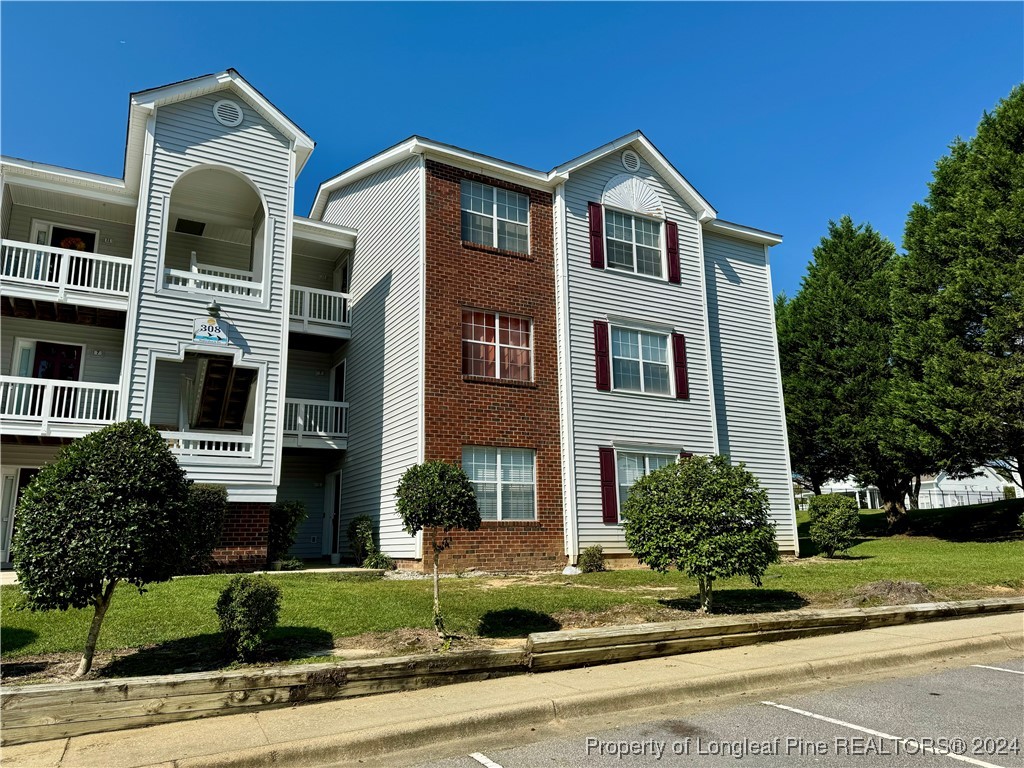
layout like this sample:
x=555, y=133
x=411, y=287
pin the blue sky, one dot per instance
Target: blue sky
x=782, y=115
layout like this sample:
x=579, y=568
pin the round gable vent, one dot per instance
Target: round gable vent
x=631, y=161
x=227, y=113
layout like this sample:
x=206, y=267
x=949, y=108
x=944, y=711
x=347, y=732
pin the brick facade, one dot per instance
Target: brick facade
x=462, y=410
x=243, y=540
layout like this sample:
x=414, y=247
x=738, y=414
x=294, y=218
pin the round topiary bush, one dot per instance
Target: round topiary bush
x=111, y=507
x=248, y=608
x=703, y=516
x=834, y=523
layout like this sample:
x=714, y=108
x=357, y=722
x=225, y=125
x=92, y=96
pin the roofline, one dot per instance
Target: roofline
x=322, y=232
x=742, y=232
x=71, y=174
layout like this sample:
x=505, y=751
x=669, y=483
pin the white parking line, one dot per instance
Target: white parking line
x=484, y=760
x=911, y=743
x=999, y=669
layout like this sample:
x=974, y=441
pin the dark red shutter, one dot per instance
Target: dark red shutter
x=602, y=362
x=685, y=454
x=672, y=251
x=609, y=499
x=596, y=216
x=679, y=358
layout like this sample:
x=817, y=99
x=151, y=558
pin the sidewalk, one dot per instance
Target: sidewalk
x=332, y=732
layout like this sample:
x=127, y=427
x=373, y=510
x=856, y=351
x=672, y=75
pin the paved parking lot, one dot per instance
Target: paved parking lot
x=967, y=716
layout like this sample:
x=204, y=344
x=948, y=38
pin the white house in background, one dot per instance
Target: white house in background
x=560, y=333
x=937, y=491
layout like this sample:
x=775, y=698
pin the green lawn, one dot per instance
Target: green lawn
x=969, y=552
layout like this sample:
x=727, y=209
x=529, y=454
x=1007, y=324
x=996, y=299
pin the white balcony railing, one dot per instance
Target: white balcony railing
x=313, y=306
x=215, y=445
x=315, y=418
x=64, y=271
x=214, y=279
x=47, y=402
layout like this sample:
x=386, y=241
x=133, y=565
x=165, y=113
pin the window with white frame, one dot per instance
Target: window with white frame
x=632, y=466
x=633, y=243
x=496, y=345
x=504, y=480
x=495, y=217
x=640, y=361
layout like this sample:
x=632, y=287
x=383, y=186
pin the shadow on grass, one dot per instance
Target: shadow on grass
x=13, y=638
x=741, y=601
x=204, y=653
x=997, y=521
x=515, y=622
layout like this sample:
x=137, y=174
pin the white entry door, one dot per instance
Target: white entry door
x=9, y=487
x=332, y=513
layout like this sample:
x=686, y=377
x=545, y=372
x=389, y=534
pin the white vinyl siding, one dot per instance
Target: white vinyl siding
x=115, y=238
x=101, y=363
x=496, y=217
x=603, y=418
x=504, y=480
x=384, y=378
x=187, y=136
x=751, y=426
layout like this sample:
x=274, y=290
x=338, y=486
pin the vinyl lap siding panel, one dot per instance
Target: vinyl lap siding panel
x=383, y=383
x=104, y=368
x=187, y=136
x=606, y=418
x=303, y=381
x=748, y=401
x=121, y=235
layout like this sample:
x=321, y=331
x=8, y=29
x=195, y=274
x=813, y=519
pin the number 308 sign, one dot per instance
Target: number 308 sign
x=209, y=330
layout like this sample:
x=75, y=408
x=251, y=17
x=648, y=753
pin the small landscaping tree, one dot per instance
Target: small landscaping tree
x=109, y=508
x=360, y=538
x=703, y=516
x=285, y=517
x=248, y=608
x=834, y=523
x=437, y=497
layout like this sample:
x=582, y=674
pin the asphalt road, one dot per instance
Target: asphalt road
x=963, y=717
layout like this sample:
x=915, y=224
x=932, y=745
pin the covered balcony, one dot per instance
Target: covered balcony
x=66, y=241
x=315, y=411
x=318, y=303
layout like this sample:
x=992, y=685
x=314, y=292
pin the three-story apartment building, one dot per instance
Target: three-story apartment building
x=557, y=333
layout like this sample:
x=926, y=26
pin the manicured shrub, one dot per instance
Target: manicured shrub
x=111, y=507
x=360, y=537
x=437, y=497
x=207, y=507
x=285, y=517
x=591, y=559
x=248, y=609
x=703, y=516
x=834, y=523
x=379, y=560
x=1009, y=493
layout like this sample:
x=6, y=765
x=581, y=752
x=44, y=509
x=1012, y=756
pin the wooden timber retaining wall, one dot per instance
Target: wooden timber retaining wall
x=41, y=712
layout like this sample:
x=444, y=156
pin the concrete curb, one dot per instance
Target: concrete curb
x=377, y=742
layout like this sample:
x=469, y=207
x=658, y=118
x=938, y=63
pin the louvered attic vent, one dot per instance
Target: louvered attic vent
x=631, y=161
x=189, y=227
x=227, y=113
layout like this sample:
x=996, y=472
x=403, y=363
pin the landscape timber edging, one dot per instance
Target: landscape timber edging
x=50, y=711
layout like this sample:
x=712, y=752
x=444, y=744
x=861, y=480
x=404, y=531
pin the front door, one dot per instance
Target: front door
x=12, y=483
x=57, y=361
x=332, y=513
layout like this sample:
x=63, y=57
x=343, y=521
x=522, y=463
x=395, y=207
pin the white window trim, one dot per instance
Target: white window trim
x=669, y=360
x=494, y=217
x=663, y=277
x=24, y=342
x=498, y=481
x=499, y=346
x=646, y=453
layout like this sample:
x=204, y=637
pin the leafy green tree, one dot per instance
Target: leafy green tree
x=437, y=497
x=959, y=297
x=704, y=516
x=108, y=509
x=841, y=389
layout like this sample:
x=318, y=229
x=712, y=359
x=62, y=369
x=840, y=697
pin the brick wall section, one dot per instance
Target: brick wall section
x=463, y=411
x=243, y=541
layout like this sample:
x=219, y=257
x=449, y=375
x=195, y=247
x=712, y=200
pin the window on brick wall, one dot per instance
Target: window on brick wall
x=504, y=480
x=495, y=217
x=496, y=345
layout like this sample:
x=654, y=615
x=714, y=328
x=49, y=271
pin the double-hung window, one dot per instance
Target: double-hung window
x=495, y=217
x=496, y=345
x=633, y=243
x=504, y=481
x=640, y=361
x=632, y=466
